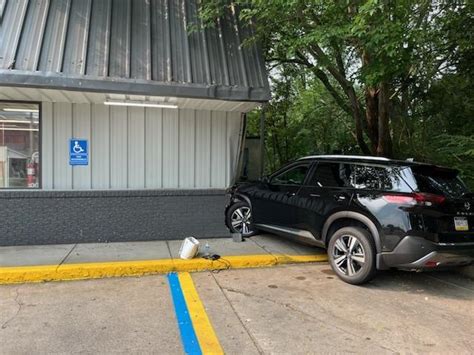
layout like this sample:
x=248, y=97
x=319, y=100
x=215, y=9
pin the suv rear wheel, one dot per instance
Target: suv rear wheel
x=351, y=253
x=239, y=219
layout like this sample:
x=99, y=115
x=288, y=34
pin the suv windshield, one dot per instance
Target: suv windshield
x=439, y=181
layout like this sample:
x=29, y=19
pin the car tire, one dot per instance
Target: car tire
x=351, y=253
x=239, y=219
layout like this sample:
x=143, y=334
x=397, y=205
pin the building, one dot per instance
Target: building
x=120, y=119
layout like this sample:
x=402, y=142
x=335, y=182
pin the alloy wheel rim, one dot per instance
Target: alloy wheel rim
x=348, y=255
x=241, y=219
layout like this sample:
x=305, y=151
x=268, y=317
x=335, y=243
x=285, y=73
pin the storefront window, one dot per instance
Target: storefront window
x=19, y=145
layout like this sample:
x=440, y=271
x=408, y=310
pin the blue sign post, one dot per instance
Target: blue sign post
x=78, y=152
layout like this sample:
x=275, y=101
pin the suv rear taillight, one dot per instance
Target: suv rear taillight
x=418, y=198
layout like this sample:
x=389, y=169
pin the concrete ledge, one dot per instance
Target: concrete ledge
x=28, y=274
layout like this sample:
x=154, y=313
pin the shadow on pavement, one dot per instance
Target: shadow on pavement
x=445, y=284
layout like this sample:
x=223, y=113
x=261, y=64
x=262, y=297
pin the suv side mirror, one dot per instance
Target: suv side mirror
x=265, y=179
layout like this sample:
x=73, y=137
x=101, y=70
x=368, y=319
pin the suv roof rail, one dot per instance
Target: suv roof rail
x=362, y=157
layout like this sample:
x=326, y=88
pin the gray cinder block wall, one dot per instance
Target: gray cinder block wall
x=55, y=217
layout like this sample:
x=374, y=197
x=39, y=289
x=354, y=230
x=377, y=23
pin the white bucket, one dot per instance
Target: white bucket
x=189, y=248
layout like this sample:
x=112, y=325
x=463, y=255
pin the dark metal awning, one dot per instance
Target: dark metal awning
x=142, y=47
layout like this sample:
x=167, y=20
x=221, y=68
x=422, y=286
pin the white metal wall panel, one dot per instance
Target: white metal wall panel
x=170, y=148
x=153, y=148
x=81, y=123
x=47, y=152
x=99, y=144
x=187, y=129
x=234, y=137
x=136, y=147
x=203, y=149
x=118, y=147
x=139, y=148
x=62, y=128
x=218, y=149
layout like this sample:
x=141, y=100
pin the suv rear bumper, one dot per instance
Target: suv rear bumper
x=418, y=253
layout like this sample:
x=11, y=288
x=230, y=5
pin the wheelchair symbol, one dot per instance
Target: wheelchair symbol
x=77, y=148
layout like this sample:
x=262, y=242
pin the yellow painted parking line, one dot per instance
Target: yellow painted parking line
x=205, y=333
x=23, y=274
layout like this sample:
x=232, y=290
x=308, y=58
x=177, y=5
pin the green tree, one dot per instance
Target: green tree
x=374, y=57
x=302, y=119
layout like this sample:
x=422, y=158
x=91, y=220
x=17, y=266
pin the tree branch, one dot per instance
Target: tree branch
x=327, y=84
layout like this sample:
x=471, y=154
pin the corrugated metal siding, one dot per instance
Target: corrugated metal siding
x=119, y=59
x=160, y=42
x=139, y=148
x=141, y=40
x=2, y=7
x=75, y=50
x=148, y=40
x=29, y=49
x=99, y=39
x=52, y=48
x=11, y=28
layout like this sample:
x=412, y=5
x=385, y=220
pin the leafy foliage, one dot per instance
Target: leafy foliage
x=302, y=119
x=383, y=77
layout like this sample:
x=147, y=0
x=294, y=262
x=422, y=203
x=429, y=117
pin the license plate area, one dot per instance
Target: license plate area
x=461, y=224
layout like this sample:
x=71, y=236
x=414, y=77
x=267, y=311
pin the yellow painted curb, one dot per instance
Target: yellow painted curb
x=24, y=274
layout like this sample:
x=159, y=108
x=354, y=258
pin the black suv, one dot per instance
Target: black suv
x=370, y=213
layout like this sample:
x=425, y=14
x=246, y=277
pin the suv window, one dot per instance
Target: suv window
x=387, y=178
x=371, y=177
x=331, y=175
x=292, y=176
x=439, y=181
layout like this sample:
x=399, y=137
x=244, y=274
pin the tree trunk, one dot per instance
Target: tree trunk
x=372, y=117
x=384, y=146
x=357, y=115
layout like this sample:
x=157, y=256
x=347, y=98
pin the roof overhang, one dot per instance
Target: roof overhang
x=131, y=86
x=19, y=93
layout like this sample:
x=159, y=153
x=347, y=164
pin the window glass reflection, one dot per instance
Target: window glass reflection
x=19, y=145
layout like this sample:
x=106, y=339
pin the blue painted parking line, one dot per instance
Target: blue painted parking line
x=186, y=329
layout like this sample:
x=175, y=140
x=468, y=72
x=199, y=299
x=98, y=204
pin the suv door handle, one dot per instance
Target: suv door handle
x=314, y=195
x=339, y=197
x=290, y=194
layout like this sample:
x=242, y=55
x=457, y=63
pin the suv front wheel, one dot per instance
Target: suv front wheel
x=351, y=253
x=239, y=219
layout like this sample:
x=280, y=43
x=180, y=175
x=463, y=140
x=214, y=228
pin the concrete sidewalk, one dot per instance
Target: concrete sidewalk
x=82, y=261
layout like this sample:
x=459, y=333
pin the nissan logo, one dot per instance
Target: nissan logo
x=467, y=206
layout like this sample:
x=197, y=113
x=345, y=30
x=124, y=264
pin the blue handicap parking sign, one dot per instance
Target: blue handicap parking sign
x=78, y=152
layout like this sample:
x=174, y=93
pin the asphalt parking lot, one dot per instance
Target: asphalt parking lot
x=287, y=309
